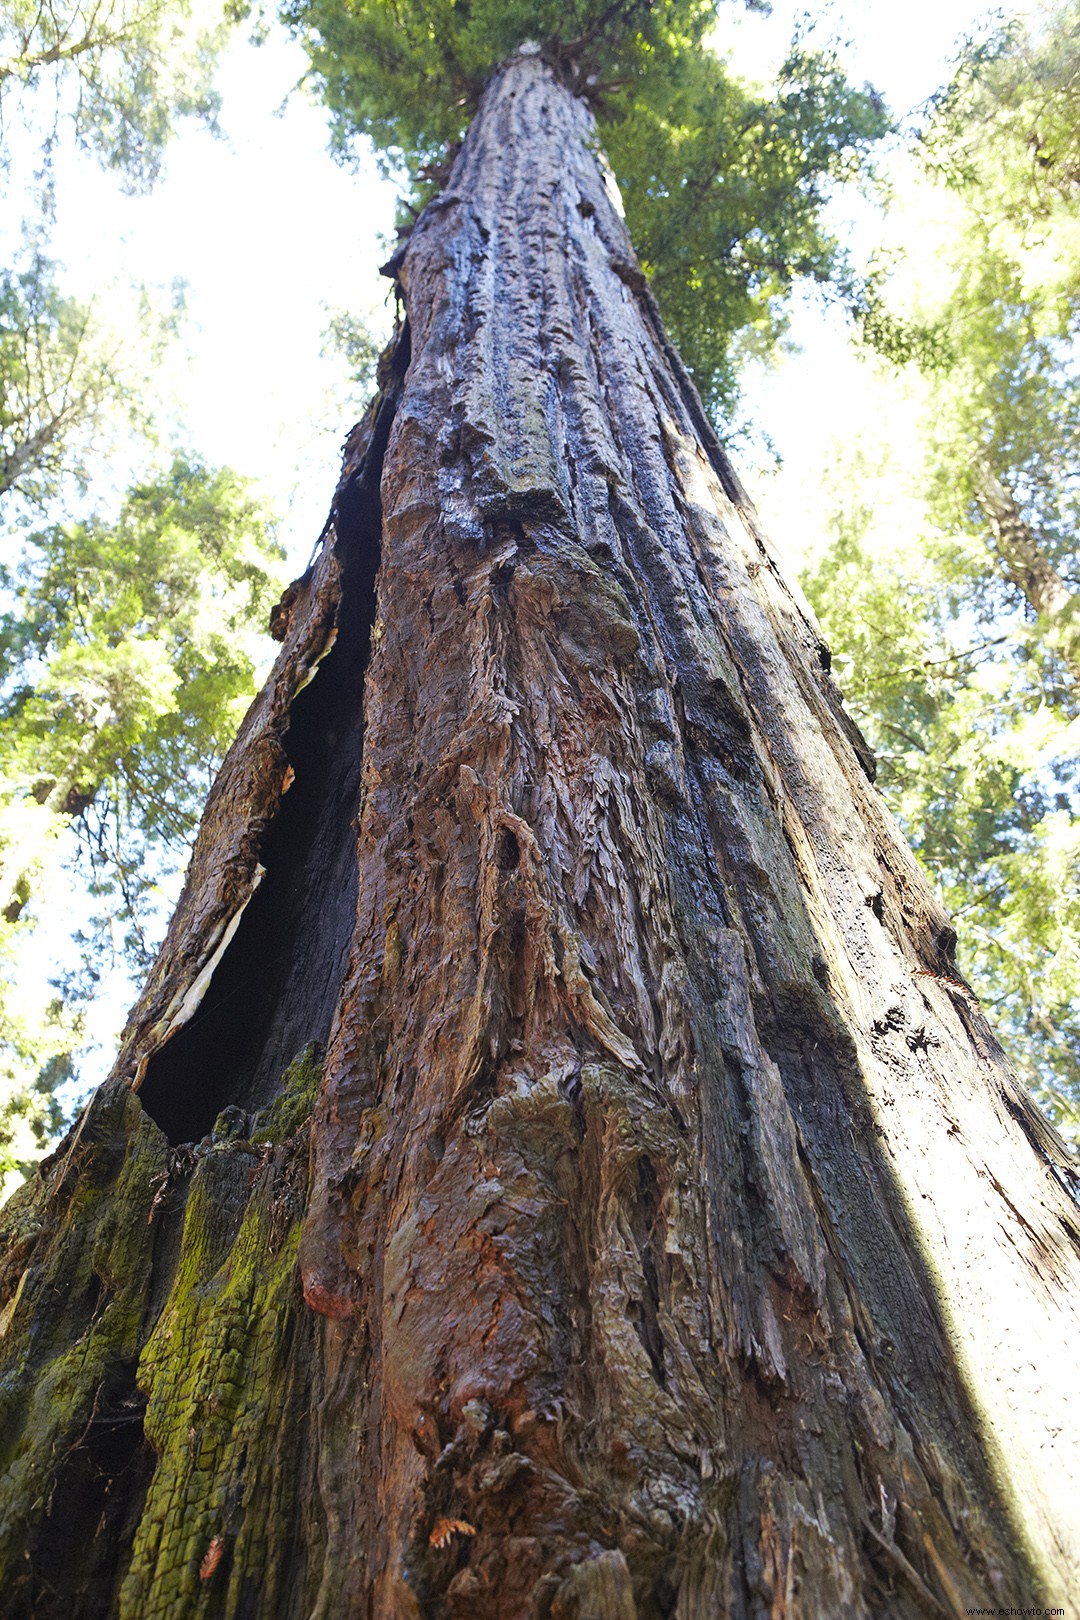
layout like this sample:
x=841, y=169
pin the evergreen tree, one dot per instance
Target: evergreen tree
x=126, y=662
x=724, y=187
x=115, y=73
x=669, y=1235
x=972, y=699
x=119, y=693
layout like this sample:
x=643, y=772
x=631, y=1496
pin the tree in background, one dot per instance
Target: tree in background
x=116, y=73
x=114, y=78
x=129, y=619
x=127, y=664
x=971, y=697
x=71, y=391
x=1004, y=140
x=670, y=1236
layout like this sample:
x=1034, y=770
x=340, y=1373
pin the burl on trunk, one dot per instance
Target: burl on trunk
x=674, y=1239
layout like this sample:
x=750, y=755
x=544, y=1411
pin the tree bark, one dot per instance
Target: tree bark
x=1027, y=567
x=675, y=1240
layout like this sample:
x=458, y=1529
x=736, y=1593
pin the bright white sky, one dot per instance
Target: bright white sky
x=269, y=234
x=824, y=395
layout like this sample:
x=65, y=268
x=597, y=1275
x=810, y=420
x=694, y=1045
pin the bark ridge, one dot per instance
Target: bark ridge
x=677, y=1241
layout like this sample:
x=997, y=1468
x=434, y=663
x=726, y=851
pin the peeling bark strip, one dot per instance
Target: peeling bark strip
x=252, y=965
x=678, y=1242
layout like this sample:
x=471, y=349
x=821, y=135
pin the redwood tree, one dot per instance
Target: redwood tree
x=580, y=1183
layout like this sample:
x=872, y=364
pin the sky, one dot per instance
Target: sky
x=822, y=395
x=270, y=235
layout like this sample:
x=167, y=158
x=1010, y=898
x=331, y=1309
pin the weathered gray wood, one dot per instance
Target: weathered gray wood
x=678, y=1241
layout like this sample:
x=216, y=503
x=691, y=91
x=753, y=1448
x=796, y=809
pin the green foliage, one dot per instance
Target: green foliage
x=353, y=338
x=724, y=192
x=65, y=386
x=1001, y=148
x=1007, y=126
x=126, y=663
x=969, y=716
x=1011, y=399
x=127, y=660
x=971, y=696
x=724, y=187
x=409, y=75
x=37, y=1039
x=120, y=72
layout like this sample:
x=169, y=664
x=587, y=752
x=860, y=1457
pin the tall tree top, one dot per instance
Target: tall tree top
x=409, y=75
x=724, y=185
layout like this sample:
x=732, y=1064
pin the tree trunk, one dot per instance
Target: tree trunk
x=675, y=1240
x=1026, y=566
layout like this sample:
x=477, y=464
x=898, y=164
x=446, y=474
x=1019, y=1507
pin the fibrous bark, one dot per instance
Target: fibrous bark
x=676, y=1240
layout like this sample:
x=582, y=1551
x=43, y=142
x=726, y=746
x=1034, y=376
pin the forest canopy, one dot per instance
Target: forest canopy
x=972, y=696
x=724, y=186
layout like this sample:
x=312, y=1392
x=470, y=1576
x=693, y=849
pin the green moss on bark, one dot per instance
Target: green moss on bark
x=155, y=1364
x=73, y=1338
x=226, y=1518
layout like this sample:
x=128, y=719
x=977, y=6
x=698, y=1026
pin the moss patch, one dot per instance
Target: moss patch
x=228, y=1517
x=67, y=1396
x=155, y=1371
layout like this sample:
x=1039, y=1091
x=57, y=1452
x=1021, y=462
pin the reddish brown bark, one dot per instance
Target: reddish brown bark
x=678, y=1241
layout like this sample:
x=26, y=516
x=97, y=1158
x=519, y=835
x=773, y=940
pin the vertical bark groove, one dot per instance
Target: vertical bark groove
x=670, y=1248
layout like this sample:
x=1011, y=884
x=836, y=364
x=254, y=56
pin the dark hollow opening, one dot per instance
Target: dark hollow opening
x=276, y=987
x=90, y=1518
